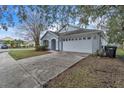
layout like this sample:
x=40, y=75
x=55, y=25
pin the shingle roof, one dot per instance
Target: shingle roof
x=77, y=32
x=8, y=38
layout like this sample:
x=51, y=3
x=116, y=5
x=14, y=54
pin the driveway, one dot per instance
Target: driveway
x=35, y=71
x=4, y=50
x=12, y=75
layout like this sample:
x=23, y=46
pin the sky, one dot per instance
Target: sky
x=12, y=32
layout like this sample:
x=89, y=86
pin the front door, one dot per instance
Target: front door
x=53, y=44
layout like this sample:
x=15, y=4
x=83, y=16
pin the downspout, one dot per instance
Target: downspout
x=92, y=43
x=61, y=44
x=100, y=42
x=58, y=43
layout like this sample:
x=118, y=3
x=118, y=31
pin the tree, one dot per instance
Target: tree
x=3, y=16
x=11, y=15
x=40, y=18
x=111, y=18
x=7, y=42
x=64, y=15
x=32, y=28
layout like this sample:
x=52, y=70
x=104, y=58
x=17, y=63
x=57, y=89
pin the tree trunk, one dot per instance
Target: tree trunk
x=37, y=46
x=123, y=45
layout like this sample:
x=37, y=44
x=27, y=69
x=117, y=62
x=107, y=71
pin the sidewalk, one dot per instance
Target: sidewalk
x=12, y=75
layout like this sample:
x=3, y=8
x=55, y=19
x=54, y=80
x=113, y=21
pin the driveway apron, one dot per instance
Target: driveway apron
x=43, y=68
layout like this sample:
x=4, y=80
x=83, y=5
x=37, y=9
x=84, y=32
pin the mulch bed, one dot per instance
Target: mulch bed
x=92, y=72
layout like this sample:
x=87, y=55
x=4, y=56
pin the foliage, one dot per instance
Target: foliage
x=120, y=52
x=100, y=52
x=115, y=32
x=14, y=43
x=44, y=48
x=110, y=18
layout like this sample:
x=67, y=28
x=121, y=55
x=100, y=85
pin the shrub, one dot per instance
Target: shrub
x=100, y=52
x=37, y=48
x=44, y=48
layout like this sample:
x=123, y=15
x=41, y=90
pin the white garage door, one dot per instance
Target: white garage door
x=78, y=45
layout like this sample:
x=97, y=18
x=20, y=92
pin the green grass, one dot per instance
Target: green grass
x=20, y=54
x=120, y=52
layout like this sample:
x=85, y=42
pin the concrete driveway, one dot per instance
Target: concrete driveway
x=35, y=71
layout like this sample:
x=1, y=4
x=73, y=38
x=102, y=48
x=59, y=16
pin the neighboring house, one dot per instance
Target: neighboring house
x=81, y=40
x=7, y=39
x=29, y=44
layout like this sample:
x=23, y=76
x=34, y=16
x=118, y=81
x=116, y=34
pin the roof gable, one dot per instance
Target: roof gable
x=49, y=32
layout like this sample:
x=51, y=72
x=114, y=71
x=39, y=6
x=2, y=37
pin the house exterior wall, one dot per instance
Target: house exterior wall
x=83, y=42
x=95, y=42
x=49, y=36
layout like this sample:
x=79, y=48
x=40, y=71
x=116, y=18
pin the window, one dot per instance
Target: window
x=80, y=38
x=89, y=38
x=72, y=39
x=69, y=39
x=75, y=38
x=63, y=39
x=66, y=39
x=84, y=38
x=46, y=43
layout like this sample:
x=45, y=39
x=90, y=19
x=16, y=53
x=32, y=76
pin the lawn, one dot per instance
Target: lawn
x=120, y=52
x=20, y=54
x=92, y=72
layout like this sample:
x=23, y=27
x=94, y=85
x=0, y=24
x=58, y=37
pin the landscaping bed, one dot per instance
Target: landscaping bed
x=92, y=72
x=20, y=54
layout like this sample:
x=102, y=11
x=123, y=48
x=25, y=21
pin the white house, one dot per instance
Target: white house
x=81, y=40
